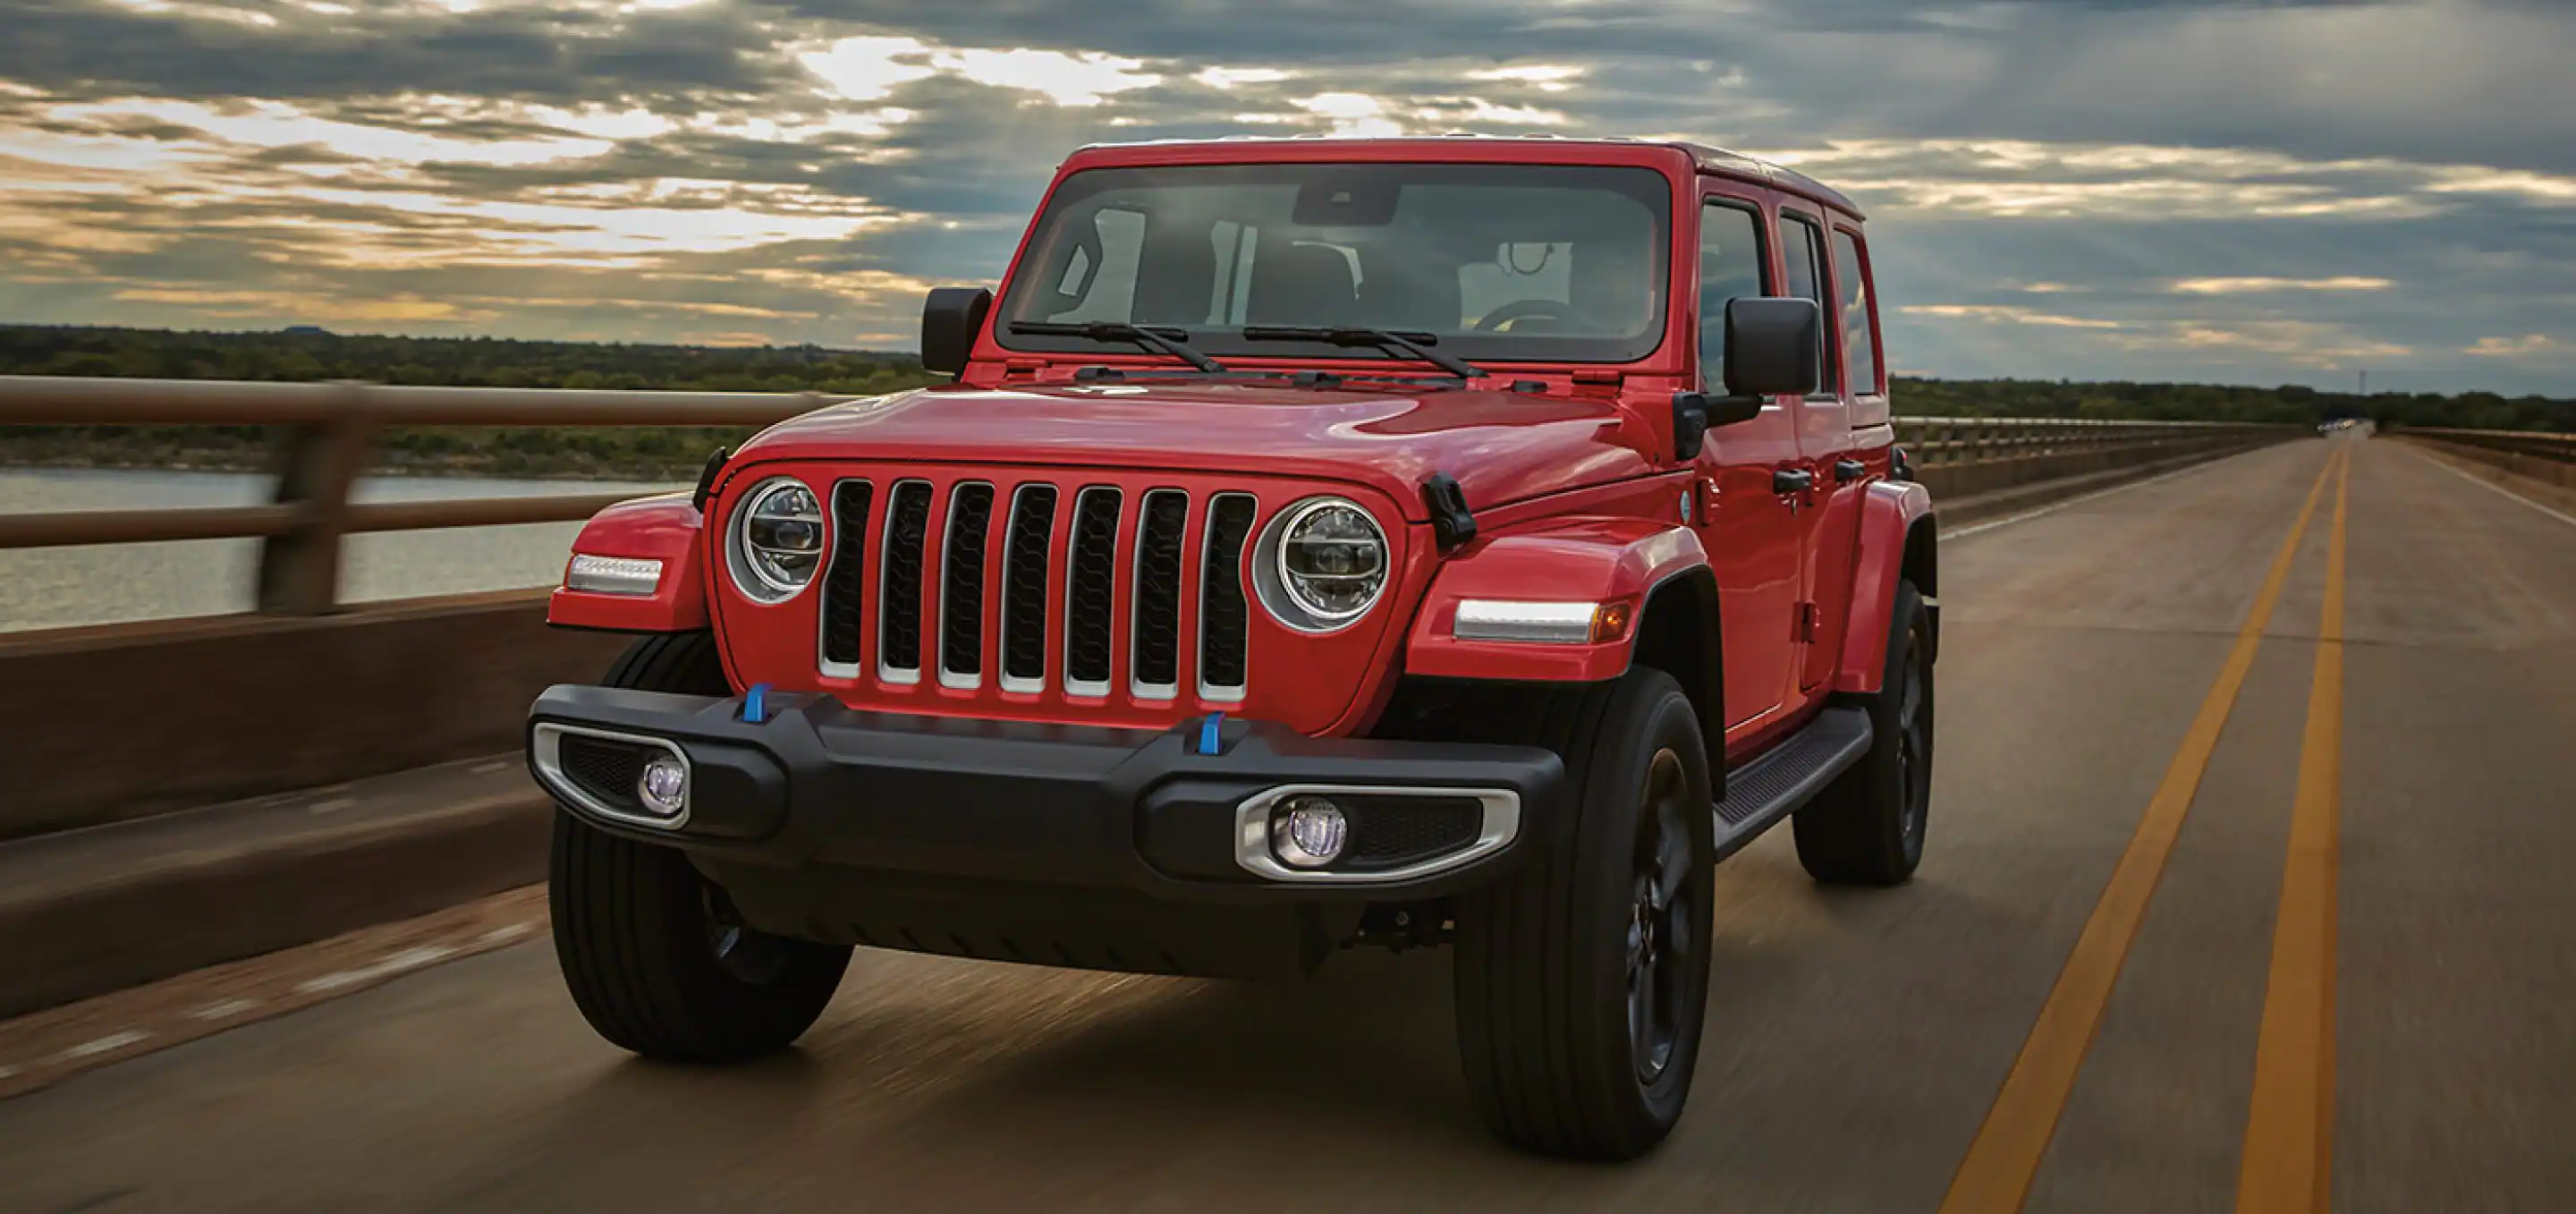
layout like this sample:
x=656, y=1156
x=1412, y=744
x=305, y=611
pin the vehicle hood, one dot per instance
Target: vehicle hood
x=1501, y=447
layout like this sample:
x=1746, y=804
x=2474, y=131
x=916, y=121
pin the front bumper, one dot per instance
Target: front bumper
x=818, y=792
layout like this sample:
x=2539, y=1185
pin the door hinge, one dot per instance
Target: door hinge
x=1811, y=623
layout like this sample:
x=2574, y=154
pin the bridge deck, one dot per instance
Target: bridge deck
x=1859, y=1040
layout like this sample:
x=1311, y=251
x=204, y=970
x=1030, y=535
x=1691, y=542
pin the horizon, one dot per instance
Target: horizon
x=305, y=330
x=2144, y=191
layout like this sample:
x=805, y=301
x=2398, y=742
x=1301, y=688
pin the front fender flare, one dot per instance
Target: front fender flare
x=1596, y=560
x=667, y=528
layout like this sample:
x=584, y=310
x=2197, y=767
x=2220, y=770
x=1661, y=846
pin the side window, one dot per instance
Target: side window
x=1851, y=274
x=1730, y=267
x=1805, y=256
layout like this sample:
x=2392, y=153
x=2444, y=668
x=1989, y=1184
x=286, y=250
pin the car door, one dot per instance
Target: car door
x=1748, y=529
x=1823, y=425
x=1850, y=454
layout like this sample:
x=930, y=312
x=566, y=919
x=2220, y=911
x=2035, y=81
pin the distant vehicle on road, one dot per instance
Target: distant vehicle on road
x=1324, y=544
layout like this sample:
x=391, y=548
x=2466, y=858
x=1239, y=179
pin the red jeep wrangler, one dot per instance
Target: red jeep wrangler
x=1324, y=544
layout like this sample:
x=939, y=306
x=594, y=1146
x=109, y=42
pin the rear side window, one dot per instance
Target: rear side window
x=1851, y=275
x=1805, y=256
x=1730, y=267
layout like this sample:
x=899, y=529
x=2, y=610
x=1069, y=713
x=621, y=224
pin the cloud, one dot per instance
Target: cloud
x=2252, y=286
x=2191, y=187
x=2525, y=346
x=2004, y=314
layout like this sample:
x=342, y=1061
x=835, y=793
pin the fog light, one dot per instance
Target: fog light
x=1308, y=832
x=664, y=787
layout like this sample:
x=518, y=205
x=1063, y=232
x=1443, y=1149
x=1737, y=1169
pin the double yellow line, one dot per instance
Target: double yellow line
x=2287, y=1132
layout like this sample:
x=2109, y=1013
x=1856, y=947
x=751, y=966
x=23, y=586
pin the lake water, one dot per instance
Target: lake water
x=58, y=587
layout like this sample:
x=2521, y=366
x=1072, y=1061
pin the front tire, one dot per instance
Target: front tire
x=1582, y=979
x=1867, y=827
x=654, y=954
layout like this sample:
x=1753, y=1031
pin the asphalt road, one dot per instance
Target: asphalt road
x=2411, y=1020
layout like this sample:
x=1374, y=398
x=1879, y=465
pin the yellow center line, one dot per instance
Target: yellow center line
x=1996, y=1175
x=2289, y=1127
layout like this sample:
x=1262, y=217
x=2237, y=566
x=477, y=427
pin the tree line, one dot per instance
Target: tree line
x=308, y=355
x=305, y=355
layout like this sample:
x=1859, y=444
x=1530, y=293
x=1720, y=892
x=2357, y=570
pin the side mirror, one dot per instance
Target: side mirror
x=1774, y=347
x=950, y=319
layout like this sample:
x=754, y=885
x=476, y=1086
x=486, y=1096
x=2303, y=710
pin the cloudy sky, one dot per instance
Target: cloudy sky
x=2241, y=191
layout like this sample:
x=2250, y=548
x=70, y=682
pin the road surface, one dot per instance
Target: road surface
x=2015, y=1025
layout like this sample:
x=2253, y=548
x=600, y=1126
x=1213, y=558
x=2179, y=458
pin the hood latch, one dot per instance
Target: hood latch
x=1452, y=523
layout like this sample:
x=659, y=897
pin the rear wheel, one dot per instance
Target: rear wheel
x=655, y=955
x=1582, y=980
x=1867, y=828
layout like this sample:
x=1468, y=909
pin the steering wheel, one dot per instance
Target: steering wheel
x=1519, y=309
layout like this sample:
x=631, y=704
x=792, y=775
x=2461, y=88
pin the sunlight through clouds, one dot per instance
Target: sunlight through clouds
x=653, y=168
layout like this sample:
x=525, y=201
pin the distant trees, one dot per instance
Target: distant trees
x=475, y=361
x=2213, y=402
x=307, y=355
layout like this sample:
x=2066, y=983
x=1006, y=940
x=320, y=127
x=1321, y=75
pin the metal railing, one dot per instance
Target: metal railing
x=1934, y=442
x=2539, y=444
x=325, y=431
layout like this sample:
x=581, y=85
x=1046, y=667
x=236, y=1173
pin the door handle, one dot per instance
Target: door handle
x=1849, y=470
x=1792, y=480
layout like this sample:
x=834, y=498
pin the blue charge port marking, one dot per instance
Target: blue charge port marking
x=755, y=703
x=1209, y=740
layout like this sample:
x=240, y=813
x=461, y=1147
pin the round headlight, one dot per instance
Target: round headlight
x=776, y=540
x=1322, y=565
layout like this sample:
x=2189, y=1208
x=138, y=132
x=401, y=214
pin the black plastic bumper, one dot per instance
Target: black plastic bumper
x=925, y=804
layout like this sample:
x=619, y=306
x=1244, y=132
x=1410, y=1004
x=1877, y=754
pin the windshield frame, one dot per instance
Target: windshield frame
x=1648, y=184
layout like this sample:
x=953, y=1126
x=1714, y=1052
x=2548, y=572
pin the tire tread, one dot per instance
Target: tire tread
x=629, y=931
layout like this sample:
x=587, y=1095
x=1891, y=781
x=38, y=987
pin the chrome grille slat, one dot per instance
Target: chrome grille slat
x=1225, y=616
x=1154, y=636
x=899, y=576
x=844, y=607
x=961, y=585
x=1027, y=542
x=1090, y=590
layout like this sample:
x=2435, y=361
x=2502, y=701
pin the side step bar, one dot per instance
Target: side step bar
x=1766, y=790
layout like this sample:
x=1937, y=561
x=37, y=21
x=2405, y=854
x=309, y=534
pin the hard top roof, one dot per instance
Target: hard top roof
x=1705, y=158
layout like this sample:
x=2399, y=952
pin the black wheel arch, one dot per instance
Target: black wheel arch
x=1922, y=566
x=1681, y=633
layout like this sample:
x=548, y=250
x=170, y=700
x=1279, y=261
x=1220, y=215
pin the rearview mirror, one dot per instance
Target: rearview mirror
x=950, y=319
x=1774, y=347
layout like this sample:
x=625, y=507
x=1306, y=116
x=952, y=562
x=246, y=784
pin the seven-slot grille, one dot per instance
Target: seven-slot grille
x=1081, y=568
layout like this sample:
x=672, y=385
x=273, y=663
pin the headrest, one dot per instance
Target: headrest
x=1301, y=284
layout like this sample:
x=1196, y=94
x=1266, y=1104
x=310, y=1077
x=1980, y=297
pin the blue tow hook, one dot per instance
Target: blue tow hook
x=1210, y=741
x=755, y=704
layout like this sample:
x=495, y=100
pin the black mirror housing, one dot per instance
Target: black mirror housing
x=1697, y=413
x=1774, y=347
x=950, y=319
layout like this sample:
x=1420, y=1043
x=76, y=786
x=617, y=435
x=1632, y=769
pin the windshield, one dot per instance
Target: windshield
x=1536, y=263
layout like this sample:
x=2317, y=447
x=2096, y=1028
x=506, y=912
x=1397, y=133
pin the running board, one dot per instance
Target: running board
x=1762, y=792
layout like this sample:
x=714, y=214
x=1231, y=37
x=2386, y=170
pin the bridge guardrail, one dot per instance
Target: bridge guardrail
x=2556, y=448
x=1939, y=441
x=325, y=432
x=2542, y=456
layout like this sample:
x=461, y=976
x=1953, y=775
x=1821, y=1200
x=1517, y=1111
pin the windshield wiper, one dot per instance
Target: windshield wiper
x=1157, y=338
x=1410, y=343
